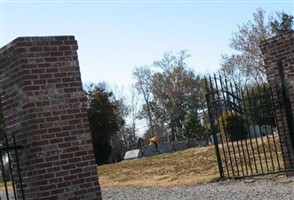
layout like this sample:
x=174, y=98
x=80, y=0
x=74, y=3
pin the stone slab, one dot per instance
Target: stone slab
x=133, y=154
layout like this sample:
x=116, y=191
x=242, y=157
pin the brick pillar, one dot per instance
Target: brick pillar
x=44, y=107
x=274, y=49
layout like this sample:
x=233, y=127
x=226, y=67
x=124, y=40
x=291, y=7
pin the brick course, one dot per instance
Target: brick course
x=273, y=49
x=44, y=106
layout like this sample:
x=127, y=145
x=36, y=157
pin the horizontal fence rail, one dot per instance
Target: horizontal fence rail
x=247, y=124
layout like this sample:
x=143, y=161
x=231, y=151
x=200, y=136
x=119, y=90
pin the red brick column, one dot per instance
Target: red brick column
x=273, y=49
x=44, y=106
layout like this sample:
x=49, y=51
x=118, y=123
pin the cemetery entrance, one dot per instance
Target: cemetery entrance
x=252, y=128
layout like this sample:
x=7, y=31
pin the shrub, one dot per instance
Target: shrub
x=232, y=126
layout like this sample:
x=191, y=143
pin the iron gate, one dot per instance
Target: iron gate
x=247, y=124
x=10, y=174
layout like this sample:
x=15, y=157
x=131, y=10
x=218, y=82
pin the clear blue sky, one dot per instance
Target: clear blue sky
x=116, y=36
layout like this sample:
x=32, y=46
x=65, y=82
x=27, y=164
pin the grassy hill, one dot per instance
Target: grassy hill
x=192, y=166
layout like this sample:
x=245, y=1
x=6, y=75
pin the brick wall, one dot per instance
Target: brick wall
x=273, y=49
x=44, y=106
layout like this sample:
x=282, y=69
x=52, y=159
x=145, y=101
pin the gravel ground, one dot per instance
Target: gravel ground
x=4, y=197
x=258, y=188
x=271, y=187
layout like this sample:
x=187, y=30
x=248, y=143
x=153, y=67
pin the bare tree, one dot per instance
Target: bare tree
x=143, y=76
x=134, y=100
x=176, y=89
x=246, y=65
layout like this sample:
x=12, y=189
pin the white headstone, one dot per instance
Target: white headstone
x=133, y=154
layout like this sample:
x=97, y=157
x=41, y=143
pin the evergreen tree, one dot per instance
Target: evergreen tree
x=104, y=121
x=283, y=24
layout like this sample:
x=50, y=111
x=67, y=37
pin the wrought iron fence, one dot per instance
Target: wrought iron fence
x=248, y=126
x=10, y=174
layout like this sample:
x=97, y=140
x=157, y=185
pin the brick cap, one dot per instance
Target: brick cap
x=37, y=39
x=282, y=36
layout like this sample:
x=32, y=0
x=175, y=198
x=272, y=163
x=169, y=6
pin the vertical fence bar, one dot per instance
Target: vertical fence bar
x=275, y=105
x=220, y=167
x=236, y=102
x=230, y=102
x=17, y=165
x=260, y=147
x=221, y=101
x=222, y=142
x=3, y=170
x=239, y=102
x=261, y=136
x=284, y=129
x=225, y=88
x=10, y=166
x=254, y=131
x=267, y=108
x=250, y=139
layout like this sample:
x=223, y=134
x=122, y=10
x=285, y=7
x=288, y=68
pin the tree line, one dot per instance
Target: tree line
x=172, y=94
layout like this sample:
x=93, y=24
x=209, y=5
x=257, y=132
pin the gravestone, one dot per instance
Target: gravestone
x=191, y=143
x=254, y=131
x=181, y=145
x=202, y=143
x=218, y=137
x=165, y=147
x=133, y=154
x=266, y=130
x=149, y=151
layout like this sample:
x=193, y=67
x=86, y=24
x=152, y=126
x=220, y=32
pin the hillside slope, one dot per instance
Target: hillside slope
x=177, y=169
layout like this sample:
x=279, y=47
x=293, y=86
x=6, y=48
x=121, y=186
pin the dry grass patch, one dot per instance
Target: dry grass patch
x=8, y=185
x=196, y=165
x=177, y=169
x=252, y=156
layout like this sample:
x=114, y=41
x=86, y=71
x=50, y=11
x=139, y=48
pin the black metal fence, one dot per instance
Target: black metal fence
x=246, y=133
x=10, y=174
